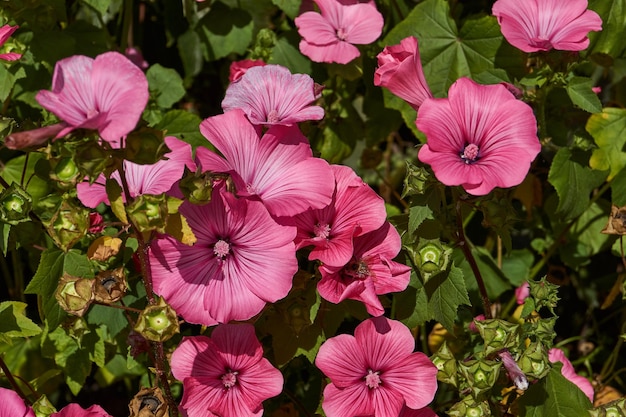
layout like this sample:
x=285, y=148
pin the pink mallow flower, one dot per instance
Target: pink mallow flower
x=152, y=179
x=11, y=405
x=400, y=71
x=225, y=375
x=272, y=95
x=75, y=410
x=522, y=293
x=355, y=209
x=278, y=169
x=375, y=372
x=370, y=272
x=107, y=94
x=480, y=137
x=542, y=25
x=568, y=371
x=238, y=68
x=5, y=33
x=331, y=35
x=241, y=260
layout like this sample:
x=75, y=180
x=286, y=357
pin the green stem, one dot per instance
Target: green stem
x=126, y=39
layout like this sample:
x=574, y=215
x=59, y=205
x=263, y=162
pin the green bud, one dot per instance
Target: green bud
x=75, y=294
x=543, y=330
x=148, y=212
x=263, y=45
x=65, y=172
x=157, y=322
x=15, y=205
x=498, y=334
x=431, y=257
x=68, y=224
x=469, y=407
x=43, y=407
x=197, y=187
x=415, y=181
x=534, y=361
x=481, y=375
x=445, y=362
x=544, y=293
x=145, y=146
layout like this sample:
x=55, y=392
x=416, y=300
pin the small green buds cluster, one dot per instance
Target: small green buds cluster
x=431, y=257
x=469, y=407
x=498, y=334
x=263, y=45
x=445, y=362
x=15, y=205
x=615, y=408
x=544, y=294
x=158, y=322
x=75, y=294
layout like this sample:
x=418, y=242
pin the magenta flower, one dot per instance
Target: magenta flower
x=238, y=68
x=355, y=210
x=400, y=70
x=272, y=95
x=75, y=410
x=241, y=260
x=369, y=273
x=225, y=375
x=568, y=371
x=5, y=33
x=422, y=412
x=375, y=372
x=153, y=179
x=542, y=25
x=278, y=169
x=476, y=134
x=522, y=293
x=11, y=405
x=331, y=35
x=107, y=94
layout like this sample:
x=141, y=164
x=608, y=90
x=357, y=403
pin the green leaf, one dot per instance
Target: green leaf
x=417, y=214
x=446, y=292
x=190, y=51
x=290, y=7
x=184, y=126
x=516, y=265
x=14, y=323
x=13, y=170
x=618, y=189
x=287, y=54
x=77, y=264
x=225, y=30
x=554, y=395
x=408, y=113
x=114, y=193
x=68, y=354
x=101, y=6
x=113, y=318
x=608, y=130
x=610, y=39
x=412, y=306
x=573, y=181
x=579, y=91
x=585, y=239
x=166, y=85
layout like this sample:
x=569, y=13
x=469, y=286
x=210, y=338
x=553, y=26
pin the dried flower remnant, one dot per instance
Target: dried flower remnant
x=617, y=221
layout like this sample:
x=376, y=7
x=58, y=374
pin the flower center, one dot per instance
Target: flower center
x=221, y=249
x=273, y=117
x=372, y=379
x=229, y=379
x=541, y=43
x=342, y=34
x=357, y=270
x=322, y=230
x=470, y=153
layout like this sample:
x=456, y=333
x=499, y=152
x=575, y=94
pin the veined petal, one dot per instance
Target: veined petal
x=340, y=52
x=415, y=378
x=342, y=360
x=385, y=342
x=363, y=23
x=11, y=405
x=347, y=402
x=316, y=29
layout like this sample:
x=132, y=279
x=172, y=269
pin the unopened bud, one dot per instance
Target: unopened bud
x=432, y=257
x=415, y=181
x=65, y=172
x=544, y=293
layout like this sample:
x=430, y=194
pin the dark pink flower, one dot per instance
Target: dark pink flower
x=375, y=372
x=75, y=410
x=568, y=371
x=153, y=179
x=272, y=95
x=136, y=57
x=480, y=137
x=522, y=292
x=11, y=405
x=422, y=412
x=541, y=25
x=331, y=35
x=5, y=33
x=355, y=210
x=241, y=260
x=96, y=222
x=400, y=70
x=278, y=169
x=238, y=68
x=370, y=272
x=107, y=94
x=225, y=375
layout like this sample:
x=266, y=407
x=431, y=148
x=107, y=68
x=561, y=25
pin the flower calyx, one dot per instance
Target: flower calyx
x=148, y=402
x=75, y=294
x=15, y=205
x=158, y=322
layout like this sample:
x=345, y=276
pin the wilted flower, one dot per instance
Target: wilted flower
x=480, y=137
x=5, y=32
x=541, y=25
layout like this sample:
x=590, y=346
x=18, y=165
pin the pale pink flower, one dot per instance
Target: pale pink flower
x=480, y=137
x=331, y=35
x=375, y=372
x=225, y=375
x=107, y=94
x=5, y=33
x=542, y=25
x=75, y=410
x=272, y=95
x=11, y=405
x=241, y=260
x=355, y=210
x=278, y=169
x=370, y=272
x=238, y=68
x=152, y=179
x=568, y=371
x=400, y=70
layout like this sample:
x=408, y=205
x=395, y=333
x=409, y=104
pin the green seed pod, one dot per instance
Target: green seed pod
x=481, y=375
x=445, y=362
x=534, y=361
x=157, y=323
x=415, y=181
x=75, y=294
x=469, y=407
x=68, y=224
x=431, y=257
x=65, y=172
x=498, y=334
x=15, y=205
x=148, y=212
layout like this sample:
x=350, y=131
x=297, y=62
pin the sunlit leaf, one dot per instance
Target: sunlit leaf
x=608, y=130
x=579, y=91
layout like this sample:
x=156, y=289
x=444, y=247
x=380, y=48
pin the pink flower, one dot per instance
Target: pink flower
x=96, y=222
x=557, y=355
x=272, y=95
x=369, y=273
x=225, y=375
x=241, y=260
x=278, y=169
x=522, y=292
x=75, y=410
x=400, y=70
x=422, y=412
x=355, y=210
x=480, y=137
x=239, y=68
x=5, y=32
x=375, y=372
x=153, y=179
x=11, y=405
x=331, y=35
x=107, y=94
x=541, y=25
x=136, y=57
